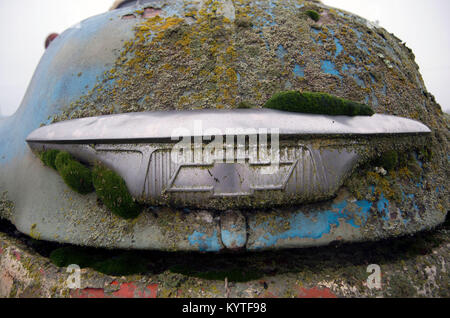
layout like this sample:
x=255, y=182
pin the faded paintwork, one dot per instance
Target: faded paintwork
x=197, y=55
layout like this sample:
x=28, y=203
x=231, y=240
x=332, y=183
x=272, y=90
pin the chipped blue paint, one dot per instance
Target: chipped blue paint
x=330, y=68
x=233, y=239
x=288, y=85
x=363, y=213
x=316, y=224
x=204, y=242
x=299, y=71
x=281, y=52
x=270, y=19
x=412, y=197
x=339, y=47
x=238, y=77
x=383, y=207
x=359, y=81
x=316, y=32
x=374, y=99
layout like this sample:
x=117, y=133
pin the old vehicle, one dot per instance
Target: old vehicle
x=115, y=95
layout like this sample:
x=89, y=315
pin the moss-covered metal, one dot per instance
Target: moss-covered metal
x=218, y=54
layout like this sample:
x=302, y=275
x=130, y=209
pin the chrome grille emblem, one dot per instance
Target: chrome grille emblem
x=140, y=147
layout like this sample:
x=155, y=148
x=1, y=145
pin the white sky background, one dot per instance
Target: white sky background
x=24, y=25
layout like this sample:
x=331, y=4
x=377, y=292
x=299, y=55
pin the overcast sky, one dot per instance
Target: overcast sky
x=25, y=24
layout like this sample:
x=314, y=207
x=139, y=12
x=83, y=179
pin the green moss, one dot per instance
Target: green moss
x=109, y=263
x=313, y=15
x=75, y=175
x=402, y=287
x=128, y=263
x=66, y=256
x=317, y=103
x=245, y=105
x=113, y=192
x=48, y=158
x=389, y=160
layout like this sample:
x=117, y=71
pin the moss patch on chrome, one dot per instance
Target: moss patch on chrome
x=77, y=176
x=49, y=157
x=113, y=192
x=317, y=103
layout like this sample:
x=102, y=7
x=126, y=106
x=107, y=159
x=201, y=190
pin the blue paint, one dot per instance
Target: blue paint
x=314, y=225
x=269, y=18
x=281, y=52
x=238, y=77
x=288, y=85
x=416, y=157
x=55, y=85
x=205, y=243
x=339, y=47
x=412, y=197
x=330, y=68
x=383, y=207
x=362, y=213
x=316, y=32
x=384, y=91
x=374, y=99
x=299, y=71
x=233, y=239
x=359, y=81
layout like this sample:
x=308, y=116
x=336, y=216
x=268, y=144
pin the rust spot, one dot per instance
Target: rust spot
x=151, y=12
x=128, y=17
x=129, y=290
x=151, y=291
x=316, y=293
x=50, y=39
x=126, y=291
x=89, y=293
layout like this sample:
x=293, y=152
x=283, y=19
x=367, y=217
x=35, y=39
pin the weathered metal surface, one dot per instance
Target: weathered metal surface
x=410, y=267
x=172, y=125
x=111, y=65
x=153, y=174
